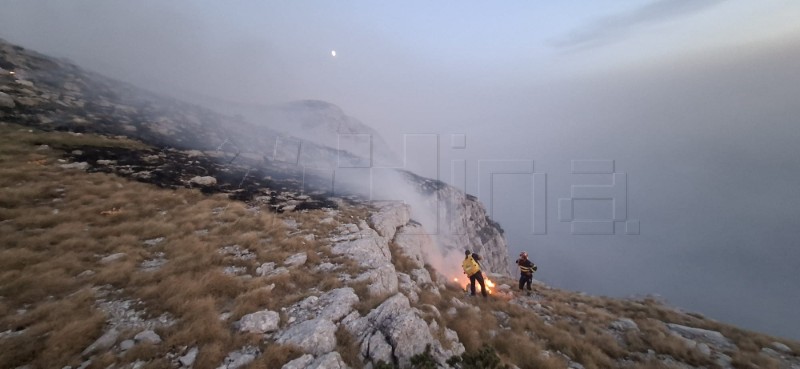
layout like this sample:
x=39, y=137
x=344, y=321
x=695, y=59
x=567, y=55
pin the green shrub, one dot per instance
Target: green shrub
x=484, y=358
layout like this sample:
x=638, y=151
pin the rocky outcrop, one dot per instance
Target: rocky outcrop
x=316, y=336
x=260, y=322
x=332, y=305
x=218, y=153
x=466, y=225
x=394, y=332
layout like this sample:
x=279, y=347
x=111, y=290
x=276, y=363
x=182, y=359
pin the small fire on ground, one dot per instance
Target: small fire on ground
x=488, y=282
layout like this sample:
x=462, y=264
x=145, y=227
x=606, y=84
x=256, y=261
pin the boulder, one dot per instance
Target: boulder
x=377, y=348
x=331, y=360
x=113, y=257
x=240, y=358
x=205, y=181
x=265, y=269
x=80, y=166
x=148, y=336
x=624, y=324
x=315, y=336
x=296, y=259
x=383, y=280
x=188, y=359
x=390, y=217
x=301, y=362
x=126, y=345
x=712, y=338
x=399, y=325
x=260, y=322
x=105, y=342
x=333, y=305
x=366, y=247
x=781, y=347
x=413, y=241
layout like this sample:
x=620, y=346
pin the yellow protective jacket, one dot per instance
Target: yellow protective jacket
x=470, y=265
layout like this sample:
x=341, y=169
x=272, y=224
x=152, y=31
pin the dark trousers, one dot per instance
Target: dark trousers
x=525, y=279
x=477, y=277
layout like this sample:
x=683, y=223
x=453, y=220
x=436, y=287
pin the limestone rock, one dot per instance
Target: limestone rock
x=126, y=345
x=105, y=342
x=781, y=347
x=296, y=259
x=188, y=359
x=265, y=269
x=413, y=240
x=624, y=324
x=205, y=181
x=333, y=305
x=400, y=326
x=390, y=217
x=301, y=362
x=79, y=166
x=383, y=280
x=260, y=322
x=331, y=360
x=113, y=257
x=712, y=338
x=148, y=336
x=315, y=336
x=367, y=248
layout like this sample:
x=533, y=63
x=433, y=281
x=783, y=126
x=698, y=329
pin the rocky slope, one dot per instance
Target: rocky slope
x=238, y=261
x=251, y=160
x=324, y=124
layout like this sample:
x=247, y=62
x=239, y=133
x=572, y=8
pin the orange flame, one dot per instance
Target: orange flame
x=487, y=282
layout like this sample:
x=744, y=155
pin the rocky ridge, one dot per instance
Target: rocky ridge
x=405, y=308
x=196, y=147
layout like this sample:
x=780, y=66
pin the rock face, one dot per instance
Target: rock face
x=394, y=331
x=333, y=305
x=315, y=336
x=465, y=224
x=221, y=153
x=195, y=147
x=325, y=124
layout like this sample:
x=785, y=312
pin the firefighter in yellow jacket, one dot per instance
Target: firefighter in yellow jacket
x=473, y=270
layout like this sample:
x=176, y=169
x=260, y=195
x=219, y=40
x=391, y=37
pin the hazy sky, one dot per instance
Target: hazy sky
x=696, y=100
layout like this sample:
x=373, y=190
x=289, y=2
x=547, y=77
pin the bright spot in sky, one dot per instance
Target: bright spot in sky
x=333, y=52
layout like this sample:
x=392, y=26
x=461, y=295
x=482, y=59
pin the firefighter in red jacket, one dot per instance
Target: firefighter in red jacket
x=526, y=269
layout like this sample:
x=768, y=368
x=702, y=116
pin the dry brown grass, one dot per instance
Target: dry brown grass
x=751, y=360
x=275, y=356
x=366, y=302
x=47, y=211
x=348, y=348
x=59, y=318
x=48, y=339
x=402, y=263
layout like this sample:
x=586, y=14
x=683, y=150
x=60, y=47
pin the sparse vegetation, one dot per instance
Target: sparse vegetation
x=57, y=226
x=484, y=358
x=58, y=223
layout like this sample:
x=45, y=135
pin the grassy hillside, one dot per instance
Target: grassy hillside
x=81, y=252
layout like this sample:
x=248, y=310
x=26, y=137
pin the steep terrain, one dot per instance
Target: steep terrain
x=125, y=243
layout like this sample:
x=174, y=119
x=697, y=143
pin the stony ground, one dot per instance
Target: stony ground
x=141, y=232
x=99, y=269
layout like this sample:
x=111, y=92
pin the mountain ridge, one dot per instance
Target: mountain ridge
x=237, y=259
